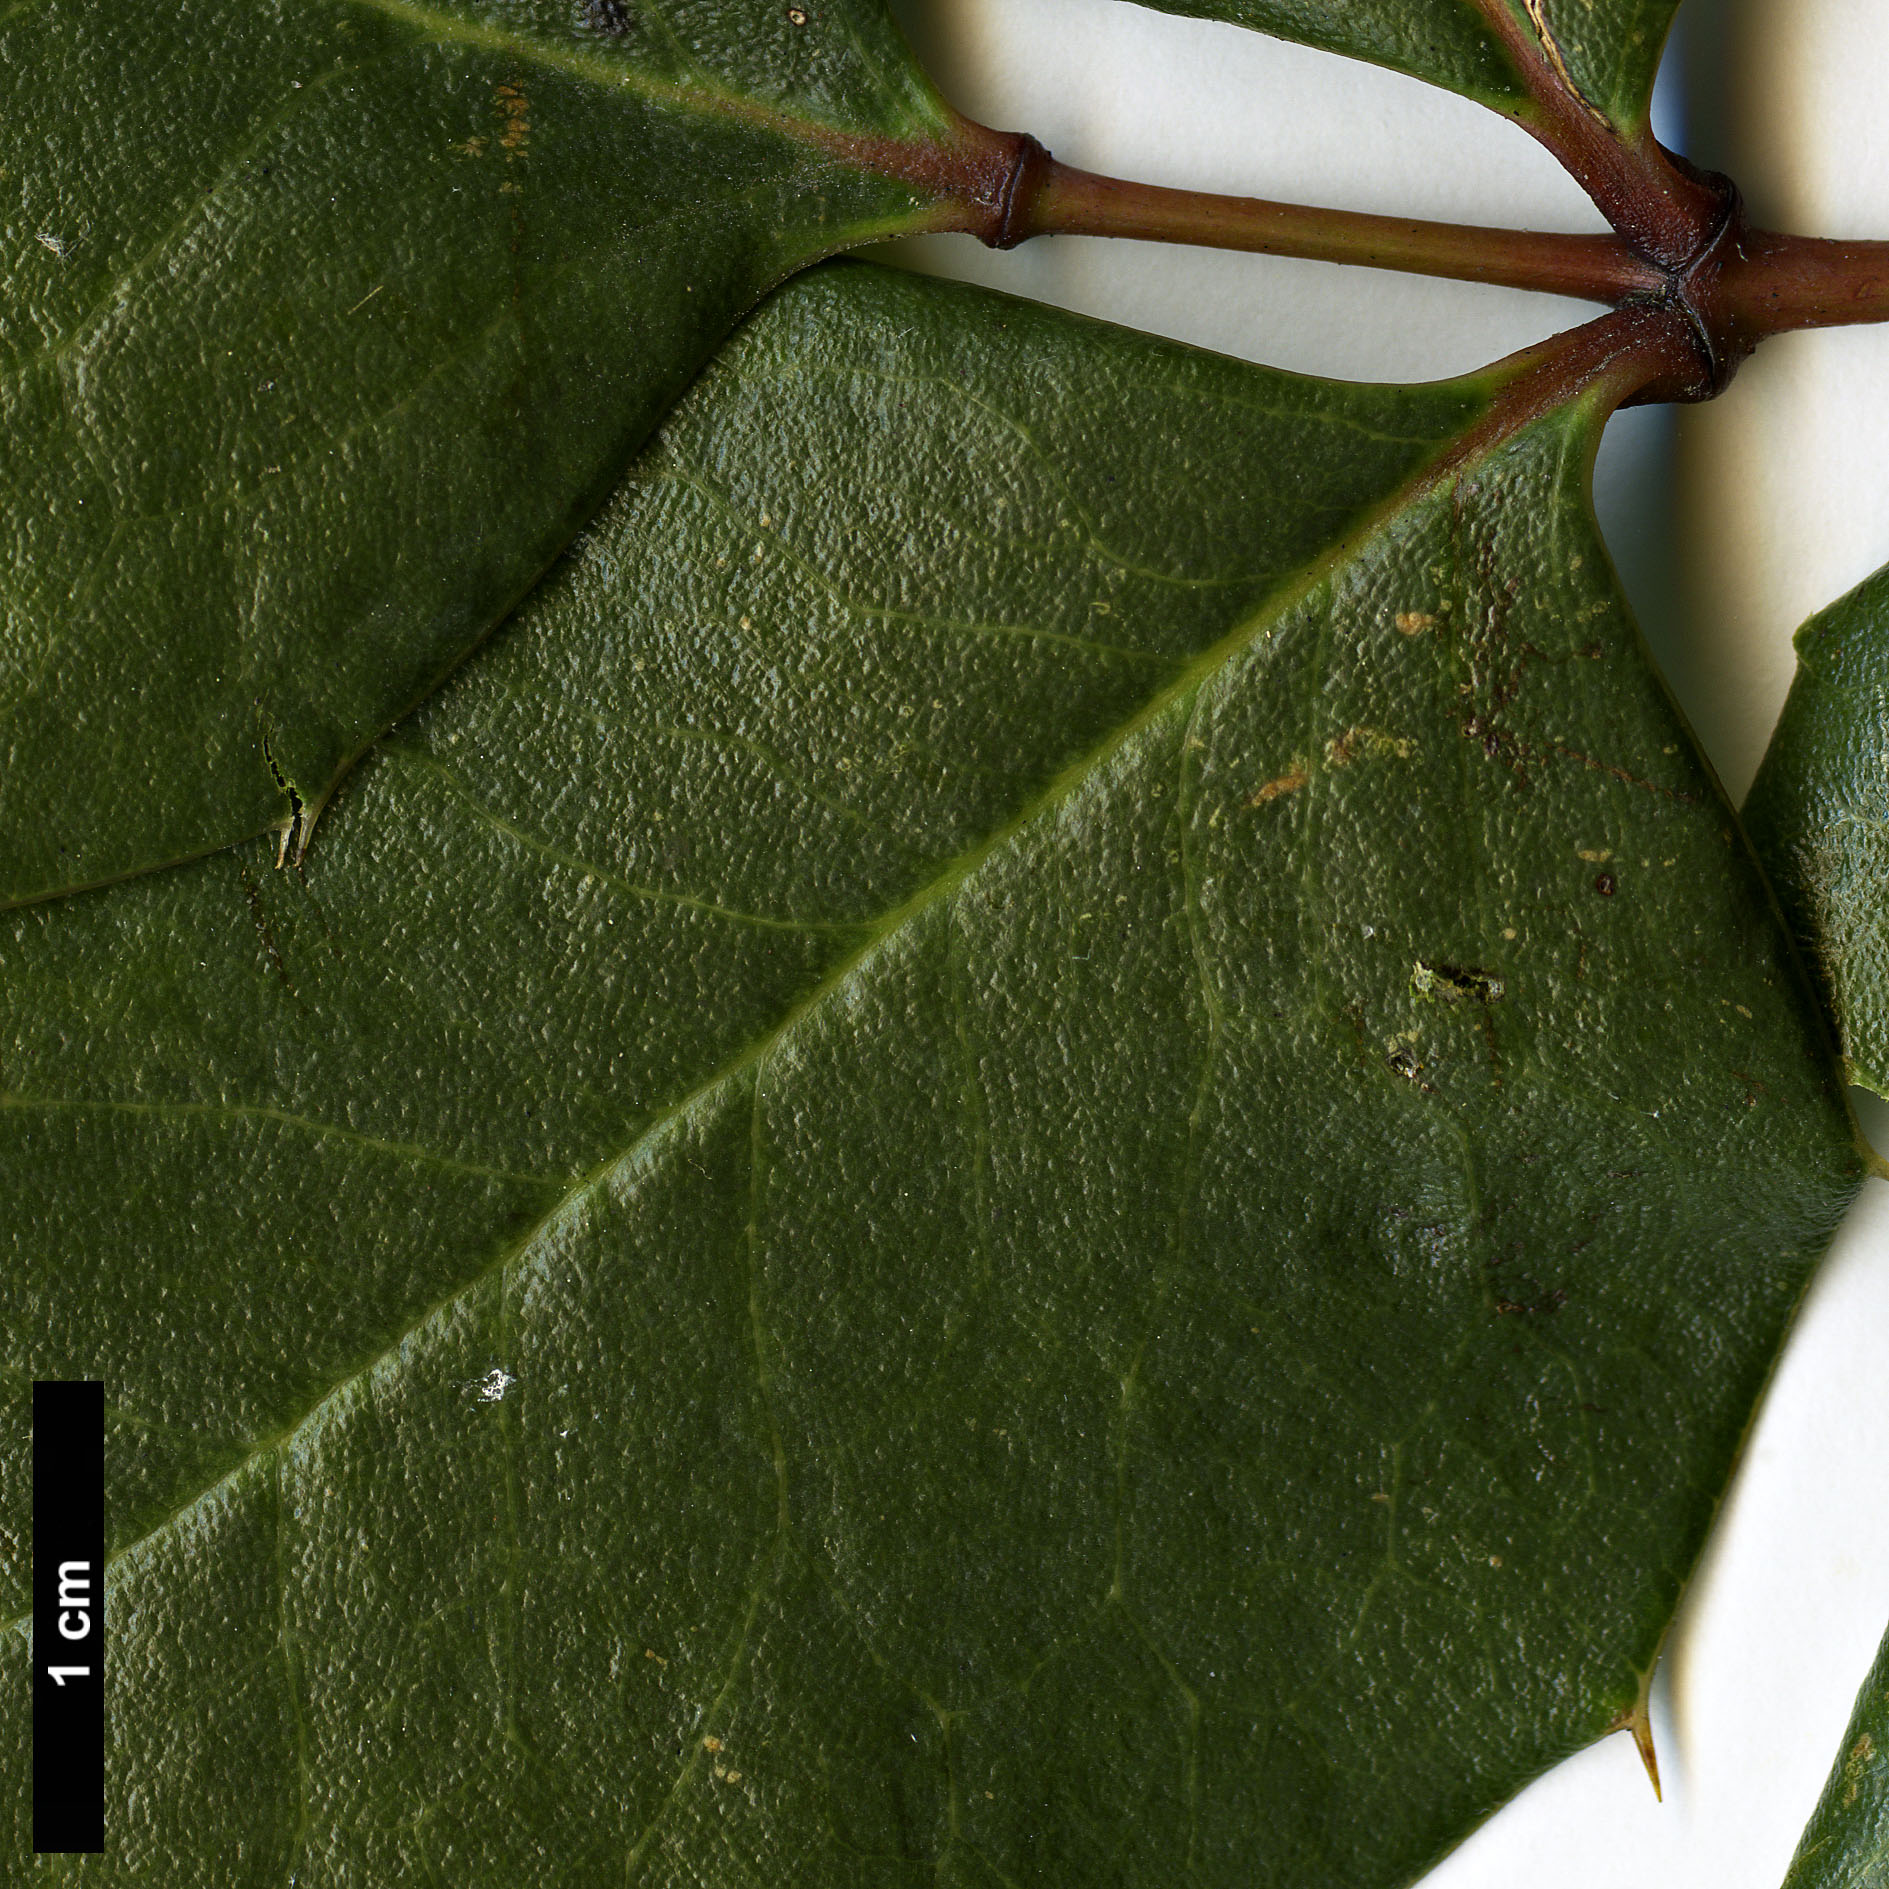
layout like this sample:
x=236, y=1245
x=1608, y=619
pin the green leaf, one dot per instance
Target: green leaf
x=991, y=1163
x=327, y=322
x=1846, y=1845
x=1818, y=814
x=1609, y=50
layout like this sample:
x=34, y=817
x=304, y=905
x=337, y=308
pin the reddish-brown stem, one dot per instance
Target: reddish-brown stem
x=1004, y=188
x=1068, y=202
x=1664, y=211
x=1771, y=283
x=1701, y=315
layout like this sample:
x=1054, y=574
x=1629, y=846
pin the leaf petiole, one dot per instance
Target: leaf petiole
x=1663, y=208
x=1004, y=188
x=1072, y=202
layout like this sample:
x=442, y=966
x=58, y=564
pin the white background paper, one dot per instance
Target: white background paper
x=1730, y=524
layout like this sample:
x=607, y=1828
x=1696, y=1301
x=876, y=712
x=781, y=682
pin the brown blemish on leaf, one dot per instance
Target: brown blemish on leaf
x=1343, y=749
x=261, y=920
x=1621, y=775
x=1854, y=1766
x=1414, y=622
x=1606, y=885
x=1289, y=782
x=515, y=108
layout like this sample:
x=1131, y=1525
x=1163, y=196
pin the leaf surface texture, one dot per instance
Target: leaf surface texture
x=1053, y=1137
x=328, y=322
x=1818, y=812
x=1846, y=1845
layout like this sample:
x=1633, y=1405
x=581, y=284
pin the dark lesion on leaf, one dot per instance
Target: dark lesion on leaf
x=293, y=845
x=1456, y=984
x=610, y=17
x=1404, y=1061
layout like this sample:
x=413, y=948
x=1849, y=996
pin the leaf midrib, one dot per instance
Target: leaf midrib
x=648, y=1139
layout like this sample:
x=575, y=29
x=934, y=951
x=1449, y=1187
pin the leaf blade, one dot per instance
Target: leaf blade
x=997, y=1317
x=1846, y=1843
x=331, y=323
x=1815, y=816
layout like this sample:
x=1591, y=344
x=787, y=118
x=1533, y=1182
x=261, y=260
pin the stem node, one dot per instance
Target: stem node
x=1016, y=219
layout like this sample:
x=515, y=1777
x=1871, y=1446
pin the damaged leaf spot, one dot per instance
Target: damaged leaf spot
x=1606, y=885
x=1289, y=782
x=1854, y=1766
x=293, y=845
x=1372, y=743
x=1452, y=984
x=1414, y=622
x=608, y=16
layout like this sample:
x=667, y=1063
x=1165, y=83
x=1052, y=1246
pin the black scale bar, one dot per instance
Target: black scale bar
x=68, y=1618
